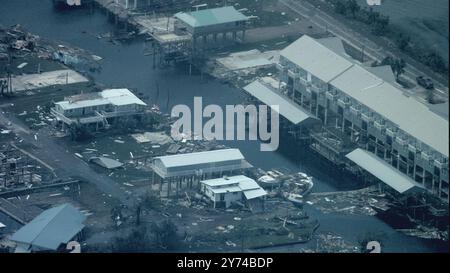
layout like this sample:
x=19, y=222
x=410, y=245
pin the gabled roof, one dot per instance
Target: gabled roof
x=383, y=171
x=200, y=157
x=51, y=228
x=316, y=58
x=209, y=17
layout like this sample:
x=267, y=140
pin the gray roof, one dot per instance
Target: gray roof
x=106, y=162
x=51, y=228
x=237, y=183
x=179, y=160
x=383, y=171
x=316, y=58
x=209, y=17
x=269, y=96
x=410, y=115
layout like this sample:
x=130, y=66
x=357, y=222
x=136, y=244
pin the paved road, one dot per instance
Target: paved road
x=357, y=40
x=42, y=145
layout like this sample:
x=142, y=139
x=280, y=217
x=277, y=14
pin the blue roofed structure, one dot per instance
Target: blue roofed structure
x=50, y=229
x=215, y=20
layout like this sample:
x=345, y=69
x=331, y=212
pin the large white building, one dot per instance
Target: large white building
x=225, y=191
x=363, y=107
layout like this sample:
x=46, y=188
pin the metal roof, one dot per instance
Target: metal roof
x=209, y=17
x=316, y=58
x=116, y=97
x=51, y=228
x=234, y=184
x=377, y=93
x=410, y=115
x=269, y=96
x=383, y=171
x=200, y=157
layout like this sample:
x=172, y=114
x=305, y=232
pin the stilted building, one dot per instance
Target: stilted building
x=98, y=108
x=187, y=169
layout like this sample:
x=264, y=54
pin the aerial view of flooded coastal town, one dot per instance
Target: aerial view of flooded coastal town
x=224, y=126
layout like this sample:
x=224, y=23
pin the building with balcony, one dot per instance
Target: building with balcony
x=362, y=107
x=98, y=108
x=209, y=27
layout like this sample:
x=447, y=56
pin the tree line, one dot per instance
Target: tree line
x=379, y=24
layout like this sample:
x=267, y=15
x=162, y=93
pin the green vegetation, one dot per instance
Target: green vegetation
x=159, y=237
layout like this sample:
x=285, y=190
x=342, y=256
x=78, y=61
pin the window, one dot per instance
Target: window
x=364, y=125
x=389, y=140
x=437, y=171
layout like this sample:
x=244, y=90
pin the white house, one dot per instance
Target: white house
x=98, y=106
x=225, y=191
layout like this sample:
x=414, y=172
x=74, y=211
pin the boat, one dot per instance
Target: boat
x=297, y=199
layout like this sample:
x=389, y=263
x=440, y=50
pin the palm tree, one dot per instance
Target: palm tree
x=353, y=7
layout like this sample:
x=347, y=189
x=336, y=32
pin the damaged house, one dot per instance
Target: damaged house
x=225, y=191
x=98, y=109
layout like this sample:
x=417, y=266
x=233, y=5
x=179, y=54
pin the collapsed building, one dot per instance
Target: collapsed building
x=98, y=109
x=190, y=168
x=361, y=108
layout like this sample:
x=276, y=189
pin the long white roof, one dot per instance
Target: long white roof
x=116, y=97
x=382, y=97
x=270, y=97
x=316, y=58
x=214, y=16
x=52, y=227
x=407, y=113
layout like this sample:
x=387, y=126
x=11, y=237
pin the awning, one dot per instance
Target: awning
x=383, y=171
x=269, y=96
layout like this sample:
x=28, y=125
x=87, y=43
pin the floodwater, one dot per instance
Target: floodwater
x=125, y=65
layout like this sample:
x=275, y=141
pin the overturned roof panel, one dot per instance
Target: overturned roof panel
x=383, y=171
